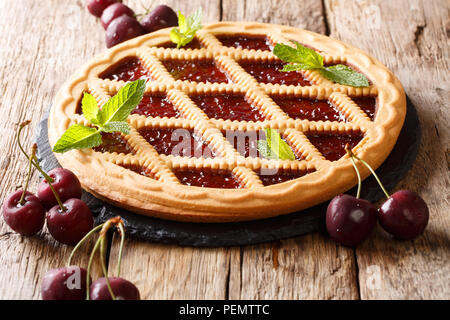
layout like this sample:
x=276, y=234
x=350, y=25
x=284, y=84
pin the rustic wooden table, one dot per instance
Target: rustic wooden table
x=43, y=42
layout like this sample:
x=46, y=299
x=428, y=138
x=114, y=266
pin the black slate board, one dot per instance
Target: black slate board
x=242, y=233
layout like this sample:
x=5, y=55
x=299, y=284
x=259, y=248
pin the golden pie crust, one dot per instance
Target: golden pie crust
x=165, y=197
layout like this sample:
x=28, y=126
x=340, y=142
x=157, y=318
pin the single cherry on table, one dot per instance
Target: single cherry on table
x=404, y=215
x=161, y=17
x=25, y=217
x=122, y=289
x=66, y=283
x=65, y=183
x=114, y=11
x=122, y=29
x=350, y=220
x=96, y=7
x=70, y=224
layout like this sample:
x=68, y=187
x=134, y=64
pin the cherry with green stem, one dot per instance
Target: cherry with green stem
x=404, y=214
x=22, y=210
x=107, y=288
x=68, y=218
x=350, y=220
x=100, y=243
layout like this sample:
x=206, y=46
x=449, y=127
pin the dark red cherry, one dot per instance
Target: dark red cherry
x=404, y=215
x=114, y=11
x=161, y=17
x=70, y=226
x=65, y=183
x=350, y=220
x=122, y=29
x=96, y=7
x=26, y=219
x=67, y=283
x=123, y=289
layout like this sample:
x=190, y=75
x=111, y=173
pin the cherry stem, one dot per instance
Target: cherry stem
x=352, y=155
x=90, y=233
x=103, y=232
x=30, y=167
x=358, y=192
x=91, y=258
x=147, y=11
x=19, y=132
x=38, y=167
x=122, y=242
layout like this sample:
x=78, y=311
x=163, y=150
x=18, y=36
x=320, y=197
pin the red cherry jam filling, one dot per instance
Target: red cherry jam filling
x=194, y=44
x=309, y=109
x=269, y=72
x=367, y=104
x=129, y=69
x=114, y=142
x=228, y=107
x=195, y=70
x=332, y=146
x=275, y=176
x=208, y=178
x=156, y=105
x=255, y=42
x=177, y=142
x=246, y=142
x=143, y=171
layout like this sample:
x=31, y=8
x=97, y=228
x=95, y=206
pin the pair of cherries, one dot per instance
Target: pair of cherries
x=350, y=220
x=58, y=202
x=73, y=282
x=121, y=24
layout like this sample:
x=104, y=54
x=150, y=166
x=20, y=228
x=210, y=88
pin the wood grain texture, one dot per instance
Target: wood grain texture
x=411, y=38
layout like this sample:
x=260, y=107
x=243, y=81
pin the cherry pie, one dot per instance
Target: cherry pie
x=215, y=97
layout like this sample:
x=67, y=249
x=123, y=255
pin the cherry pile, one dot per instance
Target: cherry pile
x=58, y=202
x=121, y=24
x=74, y=283
x=350, y=220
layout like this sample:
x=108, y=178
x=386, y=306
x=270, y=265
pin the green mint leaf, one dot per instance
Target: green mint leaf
x=194, y=22
x=117, y=126
x=274, y=147
x=119, y=107
x=295, y=67
x=302, y=57
x=187, y=27
x=89, y=108
x=310, y=56
x=265, y=150
x=345, y=75
x=78, y=137
x=176, y=37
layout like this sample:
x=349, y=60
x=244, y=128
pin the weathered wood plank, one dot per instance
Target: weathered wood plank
x=173, y=272
x=411, y=38
x=306, y=14
x=308, y=267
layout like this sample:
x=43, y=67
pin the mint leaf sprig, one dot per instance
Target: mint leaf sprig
x=274, y=147
x=187, y=27
x=112, y=117
x=303, y=58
